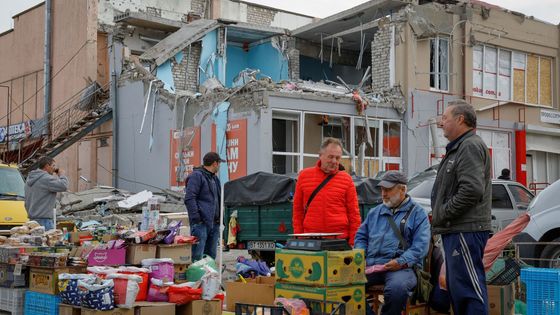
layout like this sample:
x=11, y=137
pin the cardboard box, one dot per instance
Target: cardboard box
x=79, y=237
x=154, y=308
x=321, y=268
x=135, y=253
x=115, y=311
x=180, y=273
x=180, y=253
x=107, y=257
x=45, y=280
x=354, y=295
x=256, y=291
x=64, y=309
x=501, y=299
x=201, y=307
x=9, y=280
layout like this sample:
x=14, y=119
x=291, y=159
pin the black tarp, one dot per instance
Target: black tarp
x=263, y=188
x=368, y=192
x=260, y=188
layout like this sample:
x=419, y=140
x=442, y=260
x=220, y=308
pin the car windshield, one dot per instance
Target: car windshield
x=11, y=183
x=423, y=189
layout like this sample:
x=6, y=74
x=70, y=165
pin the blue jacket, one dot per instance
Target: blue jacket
x=380, y=242
x=202, y=197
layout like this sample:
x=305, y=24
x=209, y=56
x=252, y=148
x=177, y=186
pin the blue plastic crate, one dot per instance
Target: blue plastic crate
x=542, y=290
x=40, y=303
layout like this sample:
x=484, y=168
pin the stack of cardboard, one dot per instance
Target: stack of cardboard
x=328, y=276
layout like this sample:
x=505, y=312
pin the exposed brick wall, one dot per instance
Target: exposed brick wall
x=153, y=11
x=260, y=16
x=199, y=6
x=380, y=50
x=185, y=74
x=293, y=64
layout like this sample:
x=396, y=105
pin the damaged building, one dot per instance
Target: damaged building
x=59, y=101
x=377, y=76
x=264, y=87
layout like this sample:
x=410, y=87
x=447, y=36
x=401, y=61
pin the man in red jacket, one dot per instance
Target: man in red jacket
x=334, y=209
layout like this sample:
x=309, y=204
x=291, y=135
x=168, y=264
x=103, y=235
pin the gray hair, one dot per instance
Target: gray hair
x=461, y=107
x=328, y=141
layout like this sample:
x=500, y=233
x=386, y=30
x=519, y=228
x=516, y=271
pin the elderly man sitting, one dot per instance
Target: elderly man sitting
x=392, y=264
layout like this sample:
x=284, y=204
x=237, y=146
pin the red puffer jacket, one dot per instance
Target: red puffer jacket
x=333, y=210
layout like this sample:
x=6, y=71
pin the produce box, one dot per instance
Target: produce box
x=256, y=291
x=321, y=268
x=154, y=308
x=180, y=253
x=501, y=299
x=45, y=280
x=201, y=307
x=353, y=295
x=136, y=252
x=115, y=311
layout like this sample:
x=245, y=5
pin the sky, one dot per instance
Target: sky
x=546, y=10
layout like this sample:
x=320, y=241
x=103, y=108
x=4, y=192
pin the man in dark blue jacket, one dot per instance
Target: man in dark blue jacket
x=202, y=198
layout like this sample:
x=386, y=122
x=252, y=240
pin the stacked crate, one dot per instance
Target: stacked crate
x=328, y=276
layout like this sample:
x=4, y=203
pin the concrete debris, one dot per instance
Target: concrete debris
x=393, y=97
x=211, y=85
x=136, y=199
x=107, y=203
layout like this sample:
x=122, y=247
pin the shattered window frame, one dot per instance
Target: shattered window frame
x=513, y=63
x=286, y=162
x=439, y=67
x=303, y=159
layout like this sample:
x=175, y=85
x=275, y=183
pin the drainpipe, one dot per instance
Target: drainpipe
x=47, y=67
x=114, y=105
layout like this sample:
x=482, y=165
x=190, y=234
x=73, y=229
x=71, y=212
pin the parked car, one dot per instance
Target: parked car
x=509, y=199
x=544, y=227
x=12, y=199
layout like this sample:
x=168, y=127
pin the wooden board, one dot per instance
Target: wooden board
x=532, y=79
x=545, y=82
x=519, y=85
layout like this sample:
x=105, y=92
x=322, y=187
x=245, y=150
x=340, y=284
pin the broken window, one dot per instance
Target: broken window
x=285, y=142
x=439, y=63
x=391, y=139
x=318, y=127
x=366, y=146
x=511, y=75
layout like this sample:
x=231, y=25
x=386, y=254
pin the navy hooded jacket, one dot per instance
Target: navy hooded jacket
x=202, y=197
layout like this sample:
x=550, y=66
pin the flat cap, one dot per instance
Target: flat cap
x=391, y=178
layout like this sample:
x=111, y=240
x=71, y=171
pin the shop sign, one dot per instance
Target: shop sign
x=236, y=147
x=184, y=155
x=550, y=116
x=16, y=131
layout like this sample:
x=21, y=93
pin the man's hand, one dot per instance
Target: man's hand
x=393, y=265
x=59, y=172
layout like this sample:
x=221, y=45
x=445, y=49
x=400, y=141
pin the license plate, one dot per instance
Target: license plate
x=260, y=245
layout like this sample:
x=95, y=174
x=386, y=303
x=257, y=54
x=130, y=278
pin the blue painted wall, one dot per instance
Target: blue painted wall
x=237, y=60
x=313, y=69
x=209, y=47
x=263, y=57
x=269, y=61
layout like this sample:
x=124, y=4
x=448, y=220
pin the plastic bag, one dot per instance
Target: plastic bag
x=68, y=287
x=98, y=296
x=293, y=306
x=144, y=273
x=158, y=291
x=196, y=270
x=173, y=228
x=161, y=268
x=37, y=231
x=210, y=283
x=32, y=224
x=126, y=289
x=101, y=271
x=184, y=293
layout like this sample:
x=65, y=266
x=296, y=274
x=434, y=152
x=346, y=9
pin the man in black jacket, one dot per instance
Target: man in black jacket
x=202, y=198
x=461, y=209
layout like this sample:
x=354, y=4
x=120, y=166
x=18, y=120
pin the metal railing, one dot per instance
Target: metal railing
x=537, y=186
x=68, y=117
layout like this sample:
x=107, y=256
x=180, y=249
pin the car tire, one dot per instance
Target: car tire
x=552, y=253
